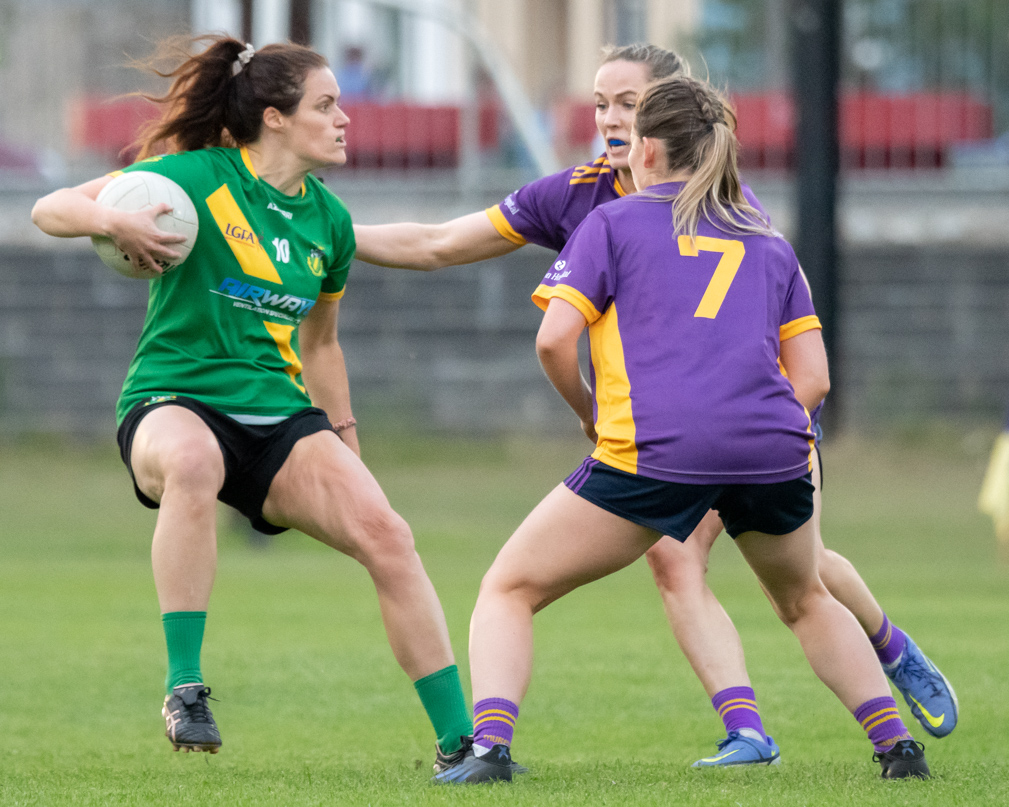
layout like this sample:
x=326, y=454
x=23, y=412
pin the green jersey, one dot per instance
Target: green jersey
x=223, y=326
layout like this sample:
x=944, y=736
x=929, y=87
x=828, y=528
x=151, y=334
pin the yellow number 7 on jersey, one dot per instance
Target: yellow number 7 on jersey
x=725, y=272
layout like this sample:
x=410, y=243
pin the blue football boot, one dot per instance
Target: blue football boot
x=741, y=749
x=926, y=690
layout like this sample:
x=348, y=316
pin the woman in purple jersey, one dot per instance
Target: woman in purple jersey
x=688, y=309
x=546, y=212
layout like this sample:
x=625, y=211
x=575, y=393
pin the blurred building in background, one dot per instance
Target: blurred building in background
x=456, y=102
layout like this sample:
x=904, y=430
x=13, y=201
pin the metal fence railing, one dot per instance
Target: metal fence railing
x=919, y=78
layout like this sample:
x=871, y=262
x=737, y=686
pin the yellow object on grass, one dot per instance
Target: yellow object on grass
x=994, y=497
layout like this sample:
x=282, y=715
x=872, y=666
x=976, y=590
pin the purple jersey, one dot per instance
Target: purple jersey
x=549, y=210
x=684, y=342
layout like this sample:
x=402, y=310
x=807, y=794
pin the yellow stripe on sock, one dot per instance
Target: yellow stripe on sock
x=883, y=642
x=894, y=716
x=738, y=703
x=494, y=714
x=874, y=715
x=740, y=706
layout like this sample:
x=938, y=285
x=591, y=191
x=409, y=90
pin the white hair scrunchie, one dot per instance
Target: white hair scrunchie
x=243, y=59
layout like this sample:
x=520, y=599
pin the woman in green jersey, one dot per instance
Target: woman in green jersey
x=238, y=390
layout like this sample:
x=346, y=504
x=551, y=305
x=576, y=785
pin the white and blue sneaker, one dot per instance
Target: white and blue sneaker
x=744, y=747
x=926, y=690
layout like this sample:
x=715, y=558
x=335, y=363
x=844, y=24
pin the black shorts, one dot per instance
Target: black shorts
x=252, y=454
x=673, y=508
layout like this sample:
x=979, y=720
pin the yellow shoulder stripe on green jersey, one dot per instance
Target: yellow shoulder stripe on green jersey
x=238, y=233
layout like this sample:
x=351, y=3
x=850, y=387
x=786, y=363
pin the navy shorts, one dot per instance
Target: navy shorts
x=672, y=508
x=252, y=454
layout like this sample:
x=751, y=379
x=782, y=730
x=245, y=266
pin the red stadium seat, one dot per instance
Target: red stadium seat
x=876, y=131
x=927, y=140
x=107, y=126
x=444, y=136
x=901, y=121
x=393, y=135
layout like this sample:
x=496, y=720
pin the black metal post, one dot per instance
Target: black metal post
x=815, y=28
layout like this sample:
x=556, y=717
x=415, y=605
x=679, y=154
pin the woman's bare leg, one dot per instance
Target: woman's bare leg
x=324, y=490
x=700, y=624
x=563, y=544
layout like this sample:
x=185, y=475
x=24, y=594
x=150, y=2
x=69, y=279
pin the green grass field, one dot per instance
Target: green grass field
x=313, y=709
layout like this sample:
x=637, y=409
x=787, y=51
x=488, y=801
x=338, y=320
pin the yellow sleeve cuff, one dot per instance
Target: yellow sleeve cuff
x=332, y=297
x=544, y=294
x=797, y=326
x=497, y=218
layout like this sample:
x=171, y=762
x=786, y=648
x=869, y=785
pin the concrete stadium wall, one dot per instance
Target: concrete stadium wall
x=925, y=333
x=924, y=336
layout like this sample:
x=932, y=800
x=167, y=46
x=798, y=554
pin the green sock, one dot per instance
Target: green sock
x=441, y=694
x=184, y=636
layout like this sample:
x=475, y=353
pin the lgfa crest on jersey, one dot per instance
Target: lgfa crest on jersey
x=315, y=262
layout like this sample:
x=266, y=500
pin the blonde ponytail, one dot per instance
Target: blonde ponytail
x=697, y=127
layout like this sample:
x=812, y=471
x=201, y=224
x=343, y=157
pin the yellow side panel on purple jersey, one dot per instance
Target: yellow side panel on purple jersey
x=614, y=418
x=239, y=235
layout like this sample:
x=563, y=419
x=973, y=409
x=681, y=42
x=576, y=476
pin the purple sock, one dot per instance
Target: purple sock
x=881, y=721
x=737, y=706
x=494, y=722
x=888, y=643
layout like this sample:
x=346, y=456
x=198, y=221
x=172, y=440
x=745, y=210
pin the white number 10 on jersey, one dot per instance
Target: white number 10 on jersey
x=283, y=249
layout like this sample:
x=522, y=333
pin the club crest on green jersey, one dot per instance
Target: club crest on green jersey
x=315, y=262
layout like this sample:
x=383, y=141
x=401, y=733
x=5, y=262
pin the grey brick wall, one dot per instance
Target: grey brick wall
x=925, y=334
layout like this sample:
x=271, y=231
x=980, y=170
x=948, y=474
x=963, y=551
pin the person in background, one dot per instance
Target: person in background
x=354, y=77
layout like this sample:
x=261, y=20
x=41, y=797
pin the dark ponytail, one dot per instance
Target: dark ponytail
x=216, y=99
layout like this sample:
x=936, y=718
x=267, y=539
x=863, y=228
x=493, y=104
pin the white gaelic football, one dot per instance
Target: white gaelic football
x=135, y=191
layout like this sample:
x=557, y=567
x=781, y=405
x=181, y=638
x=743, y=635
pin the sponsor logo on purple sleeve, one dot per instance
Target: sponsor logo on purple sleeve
x=558, y=271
